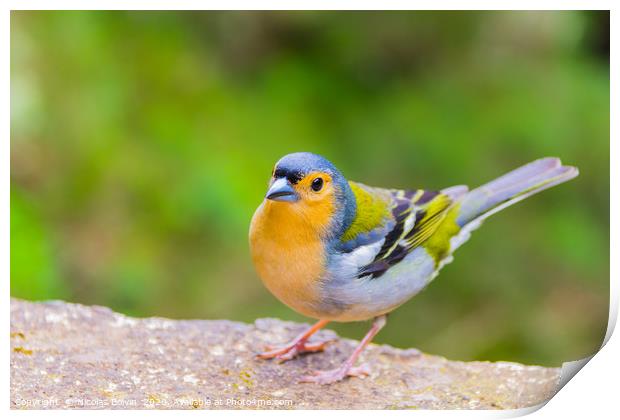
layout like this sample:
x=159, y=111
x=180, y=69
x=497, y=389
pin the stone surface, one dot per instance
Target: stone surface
x=73, y=356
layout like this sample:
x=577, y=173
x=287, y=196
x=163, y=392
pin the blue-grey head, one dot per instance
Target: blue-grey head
x=311, y=184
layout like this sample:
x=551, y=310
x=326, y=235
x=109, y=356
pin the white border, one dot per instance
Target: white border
x=592, y=393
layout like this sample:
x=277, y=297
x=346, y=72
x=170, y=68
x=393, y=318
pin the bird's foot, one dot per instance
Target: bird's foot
x=292, y=350
x=325, y=377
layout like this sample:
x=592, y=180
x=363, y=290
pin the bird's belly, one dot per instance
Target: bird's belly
x=357, y=299
x=291, y=277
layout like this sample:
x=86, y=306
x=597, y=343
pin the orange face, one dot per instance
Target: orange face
x=309, y=197
x=315, y=187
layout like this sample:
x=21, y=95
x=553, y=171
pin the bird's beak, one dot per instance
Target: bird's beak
x=282, y=190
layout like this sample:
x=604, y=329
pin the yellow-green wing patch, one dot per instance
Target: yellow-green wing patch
x=432, y=223
x=438, y=244
x=428, y=218
x=372, y=212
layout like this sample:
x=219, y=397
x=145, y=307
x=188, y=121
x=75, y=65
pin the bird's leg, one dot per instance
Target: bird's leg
x=347, y=368
x=299, y=345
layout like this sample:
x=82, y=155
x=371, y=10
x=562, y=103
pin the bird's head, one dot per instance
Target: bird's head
x=310, y=186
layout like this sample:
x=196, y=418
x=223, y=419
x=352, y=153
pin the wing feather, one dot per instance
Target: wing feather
x=417, y=215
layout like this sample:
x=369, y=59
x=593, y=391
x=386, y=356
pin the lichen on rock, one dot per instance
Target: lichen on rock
x=73, y=356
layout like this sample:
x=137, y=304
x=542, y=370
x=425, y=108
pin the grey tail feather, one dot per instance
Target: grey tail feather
x=513, y=187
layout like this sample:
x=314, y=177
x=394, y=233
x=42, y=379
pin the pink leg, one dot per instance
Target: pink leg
x=347, y=369
x=298, y=346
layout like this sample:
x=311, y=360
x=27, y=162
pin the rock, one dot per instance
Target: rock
x=73, y=356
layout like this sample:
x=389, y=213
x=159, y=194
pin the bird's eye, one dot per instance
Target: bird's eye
x=317, y=184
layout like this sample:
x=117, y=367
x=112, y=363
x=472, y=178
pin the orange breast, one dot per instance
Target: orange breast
x=288, y=254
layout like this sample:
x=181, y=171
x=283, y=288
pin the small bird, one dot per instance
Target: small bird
x=338, y=250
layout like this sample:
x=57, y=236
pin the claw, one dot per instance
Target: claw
x=359, y=371
x=298, y=346
x=292, y=350
x=325, y=377
x=316, y=346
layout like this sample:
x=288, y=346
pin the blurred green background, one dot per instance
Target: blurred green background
x=142, y=142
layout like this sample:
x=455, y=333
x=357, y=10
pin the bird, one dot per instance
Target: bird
x=341, y=251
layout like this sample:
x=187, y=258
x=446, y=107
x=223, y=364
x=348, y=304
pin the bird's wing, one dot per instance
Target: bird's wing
x=374, y=217
x=409, y=218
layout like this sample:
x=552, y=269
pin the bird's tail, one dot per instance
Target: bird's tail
x=515, y=186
